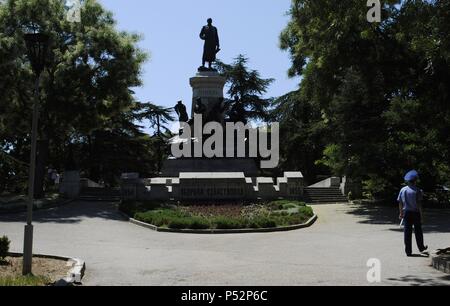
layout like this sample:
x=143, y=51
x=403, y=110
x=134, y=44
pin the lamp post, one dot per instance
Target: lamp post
x=158, y=124
x=37, y=44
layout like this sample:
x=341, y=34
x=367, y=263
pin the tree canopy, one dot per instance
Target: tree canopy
x=245, y=91
x=380, y=91
x=87, y=105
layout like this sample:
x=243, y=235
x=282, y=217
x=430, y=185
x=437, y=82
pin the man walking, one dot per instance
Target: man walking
x=410, y=206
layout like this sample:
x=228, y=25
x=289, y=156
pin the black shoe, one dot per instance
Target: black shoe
x=409, y=255
x=424, y=249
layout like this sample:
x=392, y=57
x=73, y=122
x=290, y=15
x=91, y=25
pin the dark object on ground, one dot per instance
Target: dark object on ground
x=443, y=252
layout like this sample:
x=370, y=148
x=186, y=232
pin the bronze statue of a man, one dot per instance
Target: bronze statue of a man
x=210, y=35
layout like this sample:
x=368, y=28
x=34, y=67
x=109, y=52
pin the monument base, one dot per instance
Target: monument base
x=214, y=187
x=173, y=167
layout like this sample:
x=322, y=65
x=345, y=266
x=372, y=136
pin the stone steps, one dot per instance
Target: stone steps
x=324, y=195
x=100, y=195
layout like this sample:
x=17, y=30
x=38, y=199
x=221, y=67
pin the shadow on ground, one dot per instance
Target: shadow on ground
x=419, y=281
x=435, y=220
x=69, y=214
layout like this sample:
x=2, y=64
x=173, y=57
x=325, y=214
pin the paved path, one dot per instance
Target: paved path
x=332, y=252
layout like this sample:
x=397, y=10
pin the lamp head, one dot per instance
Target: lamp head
x=37, y=45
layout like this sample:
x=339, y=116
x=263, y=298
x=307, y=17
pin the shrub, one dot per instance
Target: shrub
x=295, y=219
x=161, y=217
x=306, y=211
x=199, y=223
x=4, y=247
x=180, y=223
x=291, y=213
x=228, y=223
x=262, y=222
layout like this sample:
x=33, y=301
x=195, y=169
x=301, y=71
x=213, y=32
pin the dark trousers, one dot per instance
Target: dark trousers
x=413, y=219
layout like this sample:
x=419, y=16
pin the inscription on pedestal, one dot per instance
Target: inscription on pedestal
x=206, y=93
x=212, y=186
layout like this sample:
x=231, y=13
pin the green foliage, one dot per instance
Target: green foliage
x=228, y=223
x=158, y=116
x=245, y=90
x=376, y=90
x=179, y=223
x=264, y=221
x=13, y=174
x=162, y=217
x=88, y=112
x=271, y=215
x=4, y=247
x=20, y=281
x=300, y=133
x=199, y=223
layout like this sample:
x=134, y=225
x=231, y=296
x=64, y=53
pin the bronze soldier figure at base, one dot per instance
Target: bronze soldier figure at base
x=180, y=109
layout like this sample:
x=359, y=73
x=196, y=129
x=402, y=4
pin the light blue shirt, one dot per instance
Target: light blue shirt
x=409, y=197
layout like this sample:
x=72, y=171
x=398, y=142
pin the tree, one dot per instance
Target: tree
x=245, y=91
x=158, y=117
x=85, y=90
x=379, y=87
x=300, y=133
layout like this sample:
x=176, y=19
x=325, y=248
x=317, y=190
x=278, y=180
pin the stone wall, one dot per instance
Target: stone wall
x=217, y=186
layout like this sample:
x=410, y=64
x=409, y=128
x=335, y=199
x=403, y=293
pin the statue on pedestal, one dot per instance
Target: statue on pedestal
x=210, y=35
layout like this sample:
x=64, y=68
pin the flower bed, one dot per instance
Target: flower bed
x=225, y=216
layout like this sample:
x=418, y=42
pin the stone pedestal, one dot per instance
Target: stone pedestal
x=213, y=186
x=159, y=189
x=266, y=188
x=207, y=85
x=173, y=167
x=295, y=185
x=201, y=179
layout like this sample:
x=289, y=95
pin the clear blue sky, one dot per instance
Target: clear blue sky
x=170, y=32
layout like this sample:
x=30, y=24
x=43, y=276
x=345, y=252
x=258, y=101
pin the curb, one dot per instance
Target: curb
x=309, y=223
x=75, y=274
x=441, y=262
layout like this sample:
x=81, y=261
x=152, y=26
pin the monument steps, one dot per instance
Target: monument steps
x=324, y=195
x=100, y=194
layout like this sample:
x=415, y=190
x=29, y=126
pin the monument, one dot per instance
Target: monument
x=202, y=178
x=210, y=35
